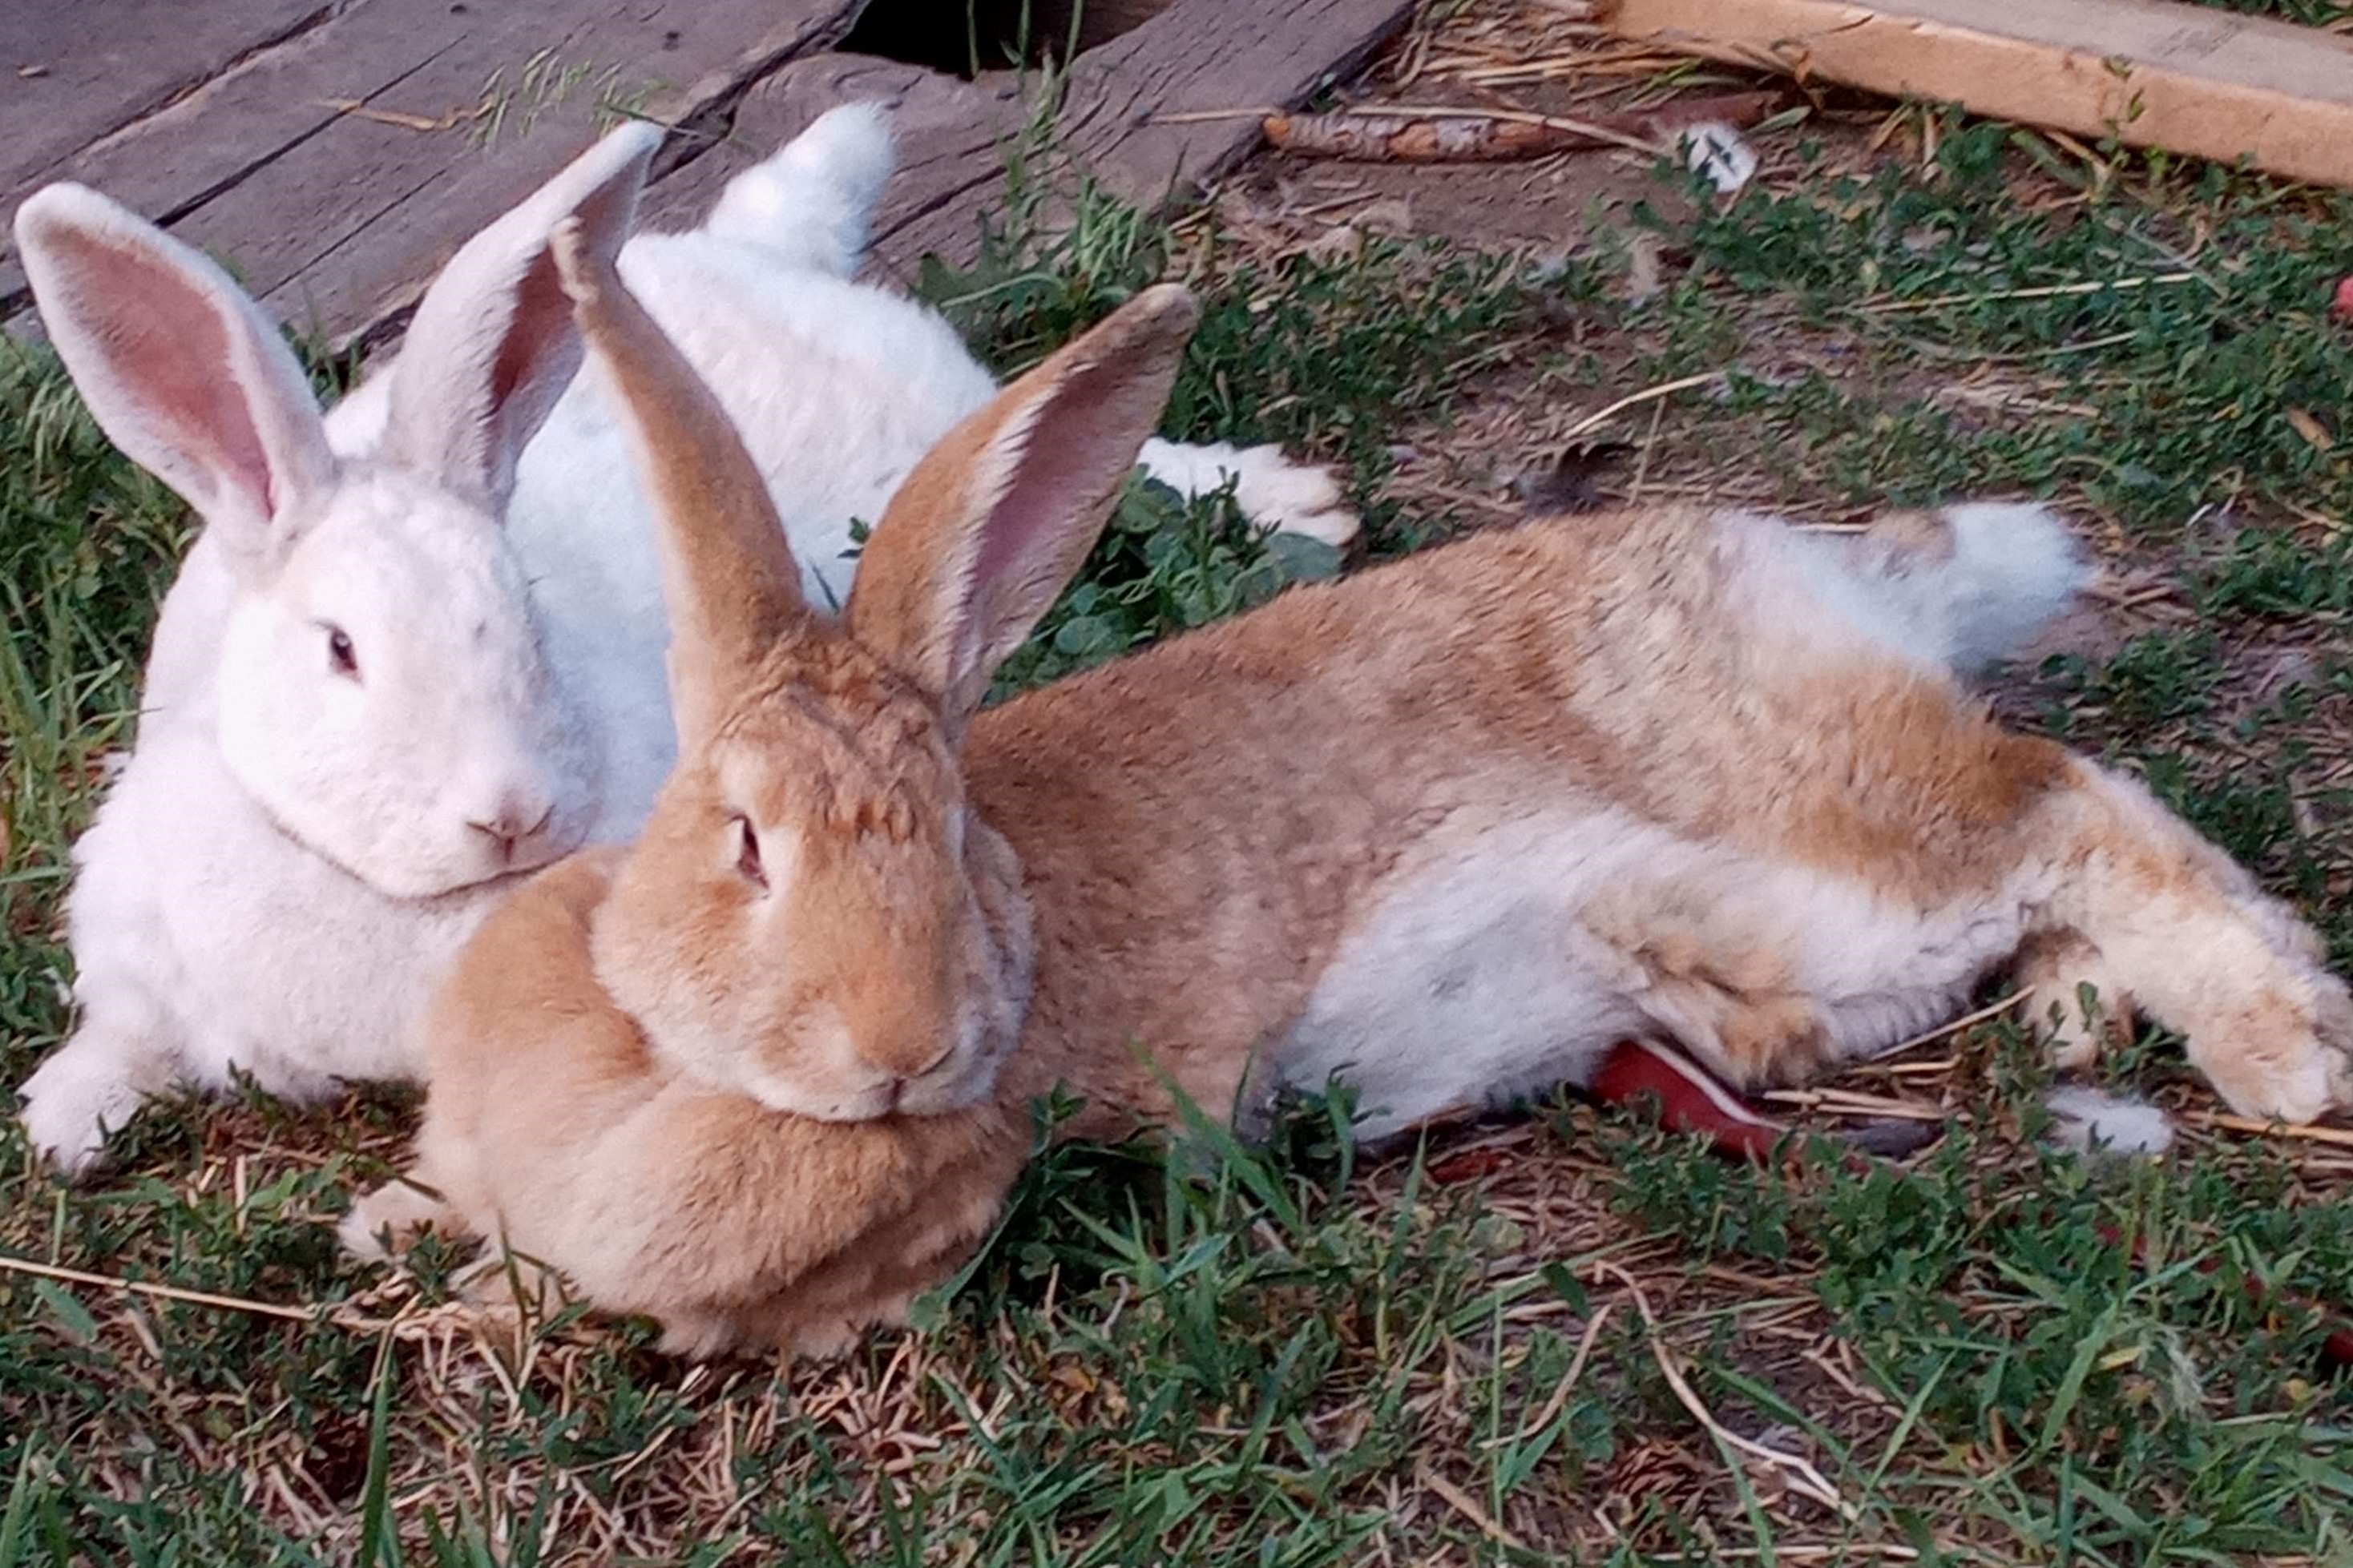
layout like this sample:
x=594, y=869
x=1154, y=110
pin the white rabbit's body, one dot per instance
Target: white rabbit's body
x=212, y=937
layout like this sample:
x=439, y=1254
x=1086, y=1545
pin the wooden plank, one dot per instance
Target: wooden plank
x=72, y=74
x=1121, y=116
x=1195, y=55
x=1206, y=55
x=2153, y=73
x=338, y=218
x=236, y=128
x=362, y=266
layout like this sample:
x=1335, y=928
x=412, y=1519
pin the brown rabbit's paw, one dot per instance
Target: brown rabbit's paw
x=2073, y=994
x=699, y=1336
x=385, y=1223
x=2288, y=1059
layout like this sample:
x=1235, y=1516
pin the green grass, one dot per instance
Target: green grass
x=2309, y=13
x=1296, y=1356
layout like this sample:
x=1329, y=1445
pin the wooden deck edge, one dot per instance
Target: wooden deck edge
x=1195, y=55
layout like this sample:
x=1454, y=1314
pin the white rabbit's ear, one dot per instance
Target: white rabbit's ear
x=982, y=537
x=492, y=346
x=180, y=368
x=728, y=575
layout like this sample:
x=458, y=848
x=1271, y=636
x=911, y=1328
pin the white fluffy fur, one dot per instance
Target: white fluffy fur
x=1268, y=486
x=290, y=857
x=2014, y=569
x=2085, y=1119
x=1489, y=952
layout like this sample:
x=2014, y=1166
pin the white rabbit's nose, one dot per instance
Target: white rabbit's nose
x=516, y=820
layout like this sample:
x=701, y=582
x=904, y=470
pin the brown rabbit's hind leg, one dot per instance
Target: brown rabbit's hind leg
x=1740, y=1010
x=2155, y=916
x=1772, y=975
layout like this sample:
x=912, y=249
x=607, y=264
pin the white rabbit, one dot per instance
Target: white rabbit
x=417, y=648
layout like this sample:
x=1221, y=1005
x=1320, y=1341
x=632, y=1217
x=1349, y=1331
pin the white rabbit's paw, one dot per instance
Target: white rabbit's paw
x=1284, y=496
x=79, y=1096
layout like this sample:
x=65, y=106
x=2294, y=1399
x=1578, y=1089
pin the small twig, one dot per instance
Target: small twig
x=167, y=1292
x=1461, y=1502
x=1800, y=1551
x=1207, y=115
x=1642, y=464
x=1568, y=1382
x=1584, y=128
x=360, y=110
x=1845, y=1102
x=1635, y=400
x=1522, y=117
x=2048, y=292
x=1801, y=1475
x=1966, y=1021
x=2338, y=1137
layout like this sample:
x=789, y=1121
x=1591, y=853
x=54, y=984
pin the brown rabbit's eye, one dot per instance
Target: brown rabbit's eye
x=747, y=854
x=340, y=656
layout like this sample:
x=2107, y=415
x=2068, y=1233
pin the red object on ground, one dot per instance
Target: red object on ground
x=1692, y=1100
x=1689, y=1099
x=2345, y=299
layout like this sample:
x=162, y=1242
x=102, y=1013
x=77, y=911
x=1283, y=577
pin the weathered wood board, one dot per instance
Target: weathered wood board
x=2153, y=73
x=334, y=216
x=337, y=219
x=71, y=75
x=1116, y=117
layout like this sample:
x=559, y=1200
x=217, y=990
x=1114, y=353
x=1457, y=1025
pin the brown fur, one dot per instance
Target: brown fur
x=1541, y=652
x=551, y=1121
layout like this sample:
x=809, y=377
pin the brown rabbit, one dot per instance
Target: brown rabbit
x=1448, y=830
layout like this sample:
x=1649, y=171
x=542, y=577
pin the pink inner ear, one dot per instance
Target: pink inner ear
x=172, y=360
x=540, y=330
x=1060, y=471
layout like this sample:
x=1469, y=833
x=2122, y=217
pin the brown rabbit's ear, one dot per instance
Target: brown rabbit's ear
x=728, y=577
x=981, y=538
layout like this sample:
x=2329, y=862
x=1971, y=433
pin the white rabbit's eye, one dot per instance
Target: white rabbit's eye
x=747, y=854
x=340, y=656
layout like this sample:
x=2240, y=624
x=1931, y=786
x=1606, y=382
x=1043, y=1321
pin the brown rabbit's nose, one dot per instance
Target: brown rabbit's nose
x=516, y=821
x=910, y=1058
